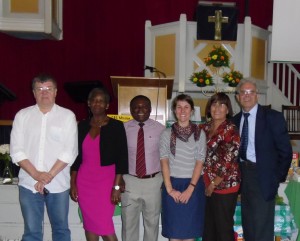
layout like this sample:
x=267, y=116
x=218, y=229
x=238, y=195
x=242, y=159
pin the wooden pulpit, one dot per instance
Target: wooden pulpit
x=158, y=90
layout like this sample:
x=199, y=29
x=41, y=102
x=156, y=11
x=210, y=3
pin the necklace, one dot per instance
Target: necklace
x=101, y=123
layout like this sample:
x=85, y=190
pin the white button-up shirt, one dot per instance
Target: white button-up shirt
x=43, y=139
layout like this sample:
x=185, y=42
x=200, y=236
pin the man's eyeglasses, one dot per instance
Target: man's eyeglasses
x=247, y=92
x=44, y=88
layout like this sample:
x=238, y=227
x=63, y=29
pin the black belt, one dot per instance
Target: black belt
x=248, y=163
x=146, y=176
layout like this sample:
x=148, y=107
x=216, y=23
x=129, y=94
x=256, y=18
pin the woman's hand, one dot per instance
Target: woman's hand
x=175, y=195
x=115, y=196
x=73, y=192
x=186, y=195
x=209, y=190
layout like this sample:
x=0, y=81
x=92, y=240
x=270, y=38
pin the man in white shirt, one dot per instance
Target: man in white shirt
x=44, y=145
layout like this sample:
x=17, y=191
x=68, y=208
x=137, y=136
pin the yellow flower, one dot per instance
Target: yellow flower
x=232, y=78
x=218, y=57
x=201, y=78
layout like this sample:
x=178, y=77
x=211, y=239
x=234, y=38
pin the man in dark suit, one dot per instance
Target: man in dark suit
x=264, y=163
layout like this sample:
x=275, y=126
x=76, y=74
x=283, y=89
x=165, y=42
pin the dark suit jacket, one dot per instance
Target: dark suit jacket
x=273, y=149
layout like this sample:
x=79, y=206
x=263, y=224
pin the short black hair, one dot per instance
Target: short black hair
x=140, y=97
x=99, y=91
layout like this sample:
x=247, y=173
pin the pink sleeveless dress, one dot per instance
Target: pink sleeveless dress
x=94, y=184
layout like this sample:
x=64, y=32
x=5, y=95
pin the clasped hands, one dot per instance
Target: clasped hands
x=181, y=197
x=42, y=178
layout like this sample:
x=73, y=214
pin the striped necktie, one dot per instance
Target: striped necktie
x=140, y=153
x=244, y=137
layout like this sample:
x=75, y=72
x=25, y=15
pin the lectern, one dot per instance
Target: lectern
x=156, y=89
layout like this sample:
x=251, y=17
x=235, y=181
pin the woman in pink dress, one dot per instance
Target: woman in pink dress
x=96, y=176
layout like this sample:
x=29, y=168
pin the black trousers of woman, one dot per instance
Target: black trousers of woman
x=218, y=221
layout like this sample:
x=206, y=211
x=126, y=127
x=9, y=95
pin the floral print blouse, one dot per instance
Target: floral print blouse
x=222, y=155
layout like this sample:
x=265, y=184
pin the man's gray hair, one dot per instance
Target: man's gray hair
x=244, y=81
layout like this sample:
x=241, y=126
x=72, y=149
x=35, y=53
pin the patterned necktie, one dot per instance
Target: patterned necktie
x=140, y=153
x=244, y=137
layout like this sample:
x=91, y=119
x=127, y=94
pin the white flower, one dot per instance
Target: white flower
x=4, y=149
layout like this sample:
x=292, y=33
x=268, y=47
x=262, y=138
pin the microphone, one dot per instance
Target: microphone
x=152, y=69
x=155, y=70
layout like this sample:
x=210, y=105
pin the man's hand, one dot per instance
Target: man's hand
x=39, y=186
x=43, y=177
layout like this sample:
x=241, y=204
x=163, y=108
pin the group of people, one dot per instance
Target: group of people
x=188, y=174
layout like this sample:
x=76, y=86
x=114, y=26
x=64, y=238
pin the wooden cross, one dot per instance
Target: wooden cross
x=218, y=20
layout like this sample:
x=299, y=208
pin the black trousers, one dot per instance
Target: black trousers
x=219, y=212
x=257, y=214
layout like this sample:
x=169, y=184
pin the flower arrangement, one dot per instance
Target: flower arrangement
x=4, y=152
x=4, y=155
x=202, y=78
x=218, y=57
x=232, y=78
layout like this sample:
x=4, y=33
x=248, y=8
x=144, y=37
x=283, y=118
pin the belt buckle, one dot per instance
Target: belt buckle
x=149, y=176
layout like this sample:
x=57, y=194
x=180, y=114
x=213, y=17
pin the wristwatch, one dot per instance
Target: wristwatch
x=117, y=187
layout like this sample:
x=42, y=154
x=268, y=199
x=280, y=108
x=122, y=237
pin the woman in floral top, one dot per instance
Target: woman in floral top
x=221, y=170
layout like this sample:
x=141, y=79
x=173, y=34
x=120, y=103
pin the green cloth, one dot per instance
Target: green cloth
x=284, y=224
x=292, y=192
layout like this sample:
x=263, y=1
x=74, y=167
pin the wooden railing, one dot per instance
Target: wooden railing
x=287, y=79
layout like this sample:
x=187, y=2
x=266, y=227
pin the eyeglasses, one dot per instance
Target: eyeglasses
x=44, y=88
x=247, y=92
